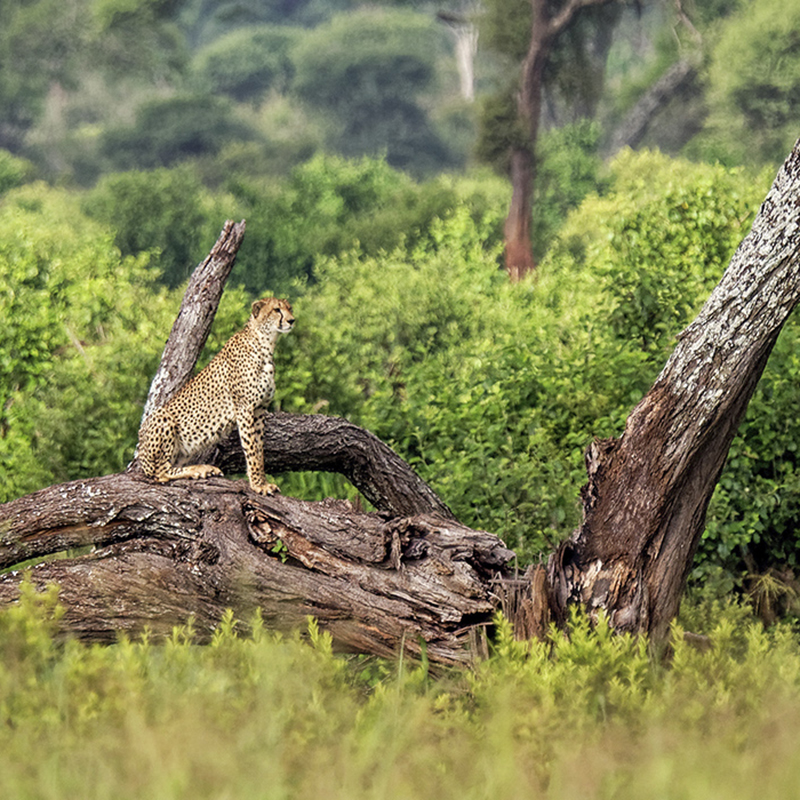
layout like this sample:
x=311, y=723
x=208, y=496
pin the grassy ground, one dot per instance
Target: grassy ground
x=260, y=716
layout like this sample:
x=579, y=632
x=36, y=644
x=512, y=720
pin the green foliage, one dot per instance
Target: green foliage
x=568, y=168
x=331, y=205
x=80, y=332
x=29, y=28
x=506, y=28
x=257, y=714
x=138, y=37
x=500, y=129
x=368, y=69
x=207, y=20
x=165, y=212
x=754, y=86
x=246, y=63
x=169, y=131
x=13, y=171
x=752, y=521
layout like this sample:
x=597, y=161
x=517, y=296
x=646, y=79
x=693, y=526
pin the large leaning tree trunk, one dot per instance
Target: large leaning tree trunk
x=410, y=576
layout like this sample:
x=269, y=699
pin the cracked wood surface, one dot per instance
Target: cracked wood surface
x=163, y=553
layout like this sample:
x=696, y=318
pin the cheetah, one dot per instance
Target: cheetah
x=233, y=390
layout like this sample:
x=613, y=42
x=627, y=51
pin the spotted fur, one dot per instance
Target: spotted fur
x=232, y=391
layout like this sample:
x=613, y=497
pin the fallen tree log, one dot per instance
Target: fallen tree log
x=164, y=553
x=409, y=576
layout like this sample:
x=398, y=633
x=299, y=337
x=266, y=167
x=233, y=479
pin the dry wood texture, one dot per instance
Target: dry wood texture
x=167, y=552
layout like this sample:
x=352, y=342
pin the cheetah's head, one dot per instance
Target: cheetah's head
x=273, y=314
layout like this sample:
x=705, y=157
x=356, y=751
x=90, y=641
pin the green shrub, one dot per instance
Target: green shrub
x=169, y=131
x=331, y=205
x=165, y=213
x=585, y=713
x=246, y=63
x=13, y=171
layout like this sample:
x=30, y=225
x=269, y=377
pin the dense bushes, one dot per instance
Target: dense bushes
x=166, y=213
x=406, y=325
x=493, y=391
x=81, y=331
x=330, y=205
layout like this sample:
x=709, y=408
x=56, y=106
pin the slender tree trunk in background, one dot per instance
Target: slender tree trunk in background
x=410, y=577
x=517, y=227
x=634, y=127
x=546, y=27
x=462, y=25
x=522, y=161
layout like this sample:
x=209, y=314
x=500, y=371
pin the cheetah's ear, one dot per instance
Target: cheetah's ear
x=257, y=306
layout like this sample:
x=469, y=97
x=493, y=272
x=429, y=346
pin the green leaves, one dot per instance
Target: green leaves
x=80, y=334
x=369, y=68
x=754, y=85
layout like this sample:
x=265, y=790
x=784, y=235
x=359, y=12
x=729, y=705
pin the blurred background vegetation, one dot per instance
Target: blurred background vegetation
x=364, y=143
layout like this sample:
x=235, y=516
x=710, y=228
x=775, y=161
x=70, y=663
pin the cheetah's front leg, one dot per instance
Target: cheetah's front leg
x=251, y=434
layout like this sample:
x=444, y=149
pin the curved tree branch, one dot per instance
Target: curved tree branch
x=331, y=444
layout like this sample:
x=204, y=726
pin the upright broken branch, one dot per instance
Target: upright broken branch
x=197, y=312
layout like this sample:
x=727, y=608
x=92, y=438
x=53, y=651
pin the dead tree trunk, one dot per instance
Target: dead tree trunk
x=646, y=500
x=634, y=127
x=409, y=575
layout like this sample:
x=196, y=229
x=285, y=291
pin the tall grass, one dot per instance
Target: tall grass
x=264, y=716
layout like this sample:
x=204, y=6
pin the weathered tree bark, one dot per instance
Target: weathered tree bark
x=546, y=26
x=378, y=583
x=646, y=500
x=410, y=576
x=197, y=312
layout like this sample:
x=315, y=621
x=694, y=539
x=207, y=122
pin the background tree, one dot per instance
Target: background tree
x=159, y=213
x=40, y=47
x=368, y=69
x=753, y=85
x=550, y=26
